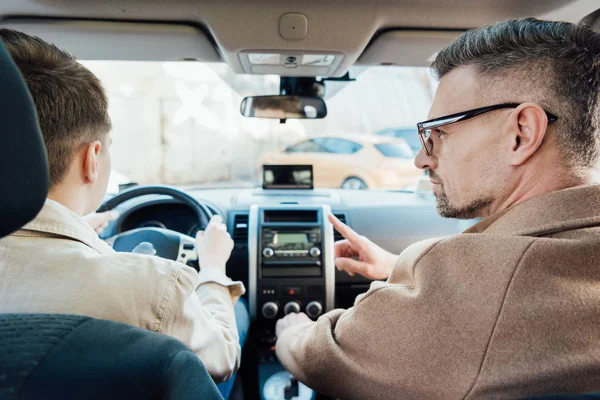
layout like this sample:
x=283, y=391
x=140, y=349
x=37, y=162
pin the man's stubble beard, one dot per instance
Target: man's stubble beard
x=473, y=209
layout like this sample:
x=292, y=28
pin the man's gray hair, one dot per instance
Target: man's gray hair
x=556, y=64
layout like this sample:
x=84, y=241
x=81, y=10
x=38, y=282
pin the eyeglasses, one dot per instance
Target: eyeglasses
x=426, y=127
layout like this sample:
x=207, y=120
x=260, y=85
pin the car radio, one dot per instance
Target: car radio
x=287, y=244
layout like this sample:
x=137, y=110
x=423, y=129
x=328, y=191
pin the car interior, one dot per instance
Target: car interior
x=311, y=50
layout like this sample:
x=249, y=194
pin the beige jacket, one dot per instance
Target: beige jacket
x=57, y=264
x=509, y=308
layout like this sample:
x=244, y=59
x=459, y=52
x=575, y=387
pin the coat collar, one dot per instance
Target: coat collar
x=56, y=219
x=561, y=210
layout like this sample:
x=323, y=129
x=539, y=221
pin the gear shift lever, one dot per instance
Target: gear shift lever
x=291, y=390
x=282, y=385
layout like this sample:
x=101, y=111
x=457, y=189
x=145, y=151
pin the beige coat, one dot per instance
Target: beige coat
x=509, y=308
x=57, y=264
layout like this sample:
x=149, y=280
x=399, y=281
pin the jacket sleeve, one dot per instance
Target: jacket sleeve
x=200, y=313
x=421, y=334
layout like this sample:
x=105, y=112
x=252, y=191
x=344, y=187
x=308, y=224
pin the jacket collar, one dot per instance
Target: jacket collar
x=561, y=210
x=56, y=219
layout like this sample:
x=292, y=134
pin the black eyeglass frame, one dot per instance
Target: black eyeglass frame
x=425, y=126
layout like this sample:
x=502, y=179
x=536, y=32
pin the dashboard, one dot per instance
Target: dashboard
x=393, y=220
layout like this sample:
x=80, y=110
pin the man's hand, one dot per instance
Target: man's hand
x=214, y=245
x=373, y=262
x=99, y=221
x=291, y=320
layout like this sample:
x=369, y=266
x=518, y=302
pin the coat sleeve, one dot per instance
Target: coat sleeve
x=421, y=334
x=201, y=315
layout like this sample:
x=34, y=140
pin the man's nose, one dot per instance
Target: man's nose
x=423, y=161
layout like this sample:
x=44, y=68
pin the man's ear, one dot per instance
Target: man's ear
x=530, y=129
x=90, y=161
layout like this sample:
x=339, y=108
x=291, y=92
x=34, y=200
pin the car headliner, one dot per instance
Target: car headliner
x=375, y=32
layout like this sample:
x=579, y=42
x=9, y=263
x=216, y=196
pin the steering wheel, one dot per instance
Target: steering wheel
x=157, y=241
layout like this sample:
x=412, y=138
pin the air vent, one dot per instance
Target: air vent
x=240, y=228
x=336, y=235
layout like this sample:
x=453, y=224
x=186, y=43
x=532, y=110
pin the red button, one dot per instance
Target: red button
x=293, y=290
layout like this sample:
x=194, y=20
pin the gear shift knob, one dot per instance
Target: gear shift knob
x=291, y=391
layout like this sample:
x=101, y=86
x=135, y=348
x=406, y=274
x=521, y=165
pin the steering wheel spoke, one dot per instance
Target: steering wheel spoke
x=187, y=249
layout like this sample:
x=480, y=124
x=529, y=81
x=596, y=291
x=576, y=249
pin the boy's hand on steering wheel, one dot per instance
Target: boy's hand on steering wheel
x=99, y=221
x=214, y=245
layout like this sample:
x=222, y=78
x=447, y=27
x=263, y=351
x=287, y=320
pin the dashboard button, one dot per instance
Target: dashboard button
x=270, y=310
x=315, y=252
x=291, y=307
x=314, y=309
x=293, y=290
x=268, y=252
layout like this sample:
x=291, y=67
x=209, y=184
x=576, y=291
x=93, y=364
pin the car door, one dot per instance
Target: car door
x=322, y=158
x=339, y=160
x=299, y=153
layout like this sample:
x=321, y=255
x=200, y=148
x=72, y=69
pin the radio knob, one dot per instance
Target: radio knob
x=268, y=252
x=314, y=309
x=291, y=307
x=270, y=310
x=315, y=252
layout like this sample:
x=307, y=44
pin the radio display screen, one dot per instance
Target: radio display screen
x=290, y=238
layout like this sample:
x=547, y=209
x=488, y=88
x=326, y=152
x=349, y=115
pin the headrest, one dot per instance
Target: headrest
x=23, y=162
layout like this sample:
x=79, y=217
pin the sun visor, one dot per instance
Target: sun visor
x=406, y=47
x=128, y=41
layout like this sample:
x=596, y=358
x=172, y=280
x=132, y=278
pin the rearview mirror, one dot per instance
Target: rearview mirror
x=284, y=107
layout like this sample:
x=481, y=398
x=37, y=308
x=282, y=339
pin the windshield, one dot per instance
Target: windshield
x=179, y=123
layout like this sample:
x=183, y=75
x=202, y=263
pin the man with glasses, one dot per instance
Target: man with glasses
x=510, y=307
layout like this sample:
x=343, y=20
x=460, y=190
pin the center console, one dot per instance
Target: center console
x=291, y=267
x=291, y=270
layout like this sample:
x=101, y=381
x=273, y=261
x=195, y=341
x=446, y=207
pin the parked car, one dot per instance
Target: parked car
x=407, y=133
x=353, y=162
